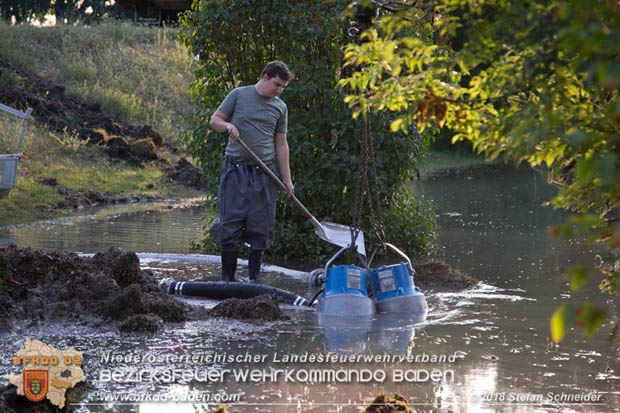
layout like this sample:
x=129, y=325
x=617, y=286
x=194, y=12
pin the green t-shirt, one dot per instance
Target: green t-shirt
x=258, y=119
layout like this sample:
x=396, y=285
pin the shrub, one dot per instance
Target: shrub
x=10, y=78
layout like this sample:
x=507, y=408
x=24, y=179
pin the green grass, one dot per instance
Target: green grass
x=137, y=74
x=77, y=167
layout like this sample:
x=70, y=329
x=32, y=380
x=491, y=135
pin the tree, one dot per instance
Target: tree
x=66, y=11
x=234, y=39
x=533, y=81
x=24, y=11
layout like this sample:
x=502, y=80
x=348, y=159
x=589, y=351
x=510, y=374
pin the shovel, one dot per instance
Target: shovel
x=336, y=234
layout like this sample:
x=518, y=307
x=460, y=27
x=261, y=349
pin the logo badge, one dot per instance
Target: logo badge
x=36, y=384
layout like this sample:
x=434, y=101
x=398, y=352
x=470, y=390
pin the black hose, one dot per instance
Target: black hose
x=223, y=290
x=322, y=290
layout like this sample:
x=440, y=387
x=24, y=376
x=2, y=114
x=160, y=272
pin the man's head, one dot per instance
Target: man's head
x=274, y=79
x=277, y=68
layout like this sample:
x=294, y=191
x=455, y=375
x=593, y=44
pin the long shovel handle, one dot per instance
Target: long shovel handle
x=273, y=176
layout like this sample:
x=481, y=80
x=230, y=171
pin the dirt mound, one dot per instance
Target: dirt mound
x=439, y=274
x=36, y=287
x=184, y=173
x=260, y=308
x=61, y=112
x=383, y=404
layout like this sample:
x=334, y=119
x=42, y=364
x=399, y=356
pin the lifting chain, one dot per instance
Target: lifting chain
x=363, y=192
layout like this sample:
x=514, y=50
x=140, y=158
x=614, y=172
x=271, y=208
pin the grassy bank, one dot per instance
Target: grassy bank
x=137, y=74
x=76, y=167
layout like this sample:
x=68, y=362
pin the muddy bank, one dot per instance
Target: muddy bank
x=107, y=289
x=61, y=112
x=181, y=173
x=441, y=275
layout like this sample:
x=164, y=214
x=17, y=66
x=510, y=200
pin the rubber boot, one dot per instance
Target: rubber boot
x=229, y=263
x=255, y=260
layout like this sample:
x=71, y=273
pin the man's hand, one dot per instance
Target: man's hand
x=290, y=188
x=220, y=123
x=233, y=132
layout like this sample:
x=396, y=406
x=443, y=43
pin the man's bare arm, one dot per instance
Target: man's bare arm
x=282, y=155
x=219, y=122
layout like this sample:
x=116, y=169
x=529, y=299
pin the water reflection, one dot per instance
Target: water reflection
x=493, y=227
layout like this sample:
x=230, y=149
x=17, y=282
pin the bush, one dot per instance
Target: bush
x=10, y=78
x=234, y=39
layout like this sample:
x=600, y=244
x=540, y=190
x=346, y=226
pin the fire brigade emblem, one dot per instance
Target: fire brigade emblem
x=36, y=384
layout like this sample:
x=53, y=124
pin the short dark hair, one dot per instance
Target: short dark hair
x=278, y=68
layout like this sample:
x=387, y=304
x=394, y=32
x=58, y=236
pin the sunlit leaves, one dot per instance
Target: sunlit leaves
x=535, y=81
x=590, y=317
x=578, y=277
x=561, y=320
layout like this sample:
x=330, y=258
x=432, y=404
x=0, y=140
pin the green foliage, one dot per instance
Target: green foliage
x=561, y=320
x=10, y=78
x=24, y=11
x=534, y=82
x=234, y=39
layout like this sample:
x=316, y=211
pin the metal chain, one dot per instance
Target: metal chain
x=378, y=223
x=357, y=205
x=363, y=194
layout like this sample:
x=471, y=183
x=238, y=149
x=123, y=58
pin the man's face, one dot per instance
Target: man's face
x=274, y=86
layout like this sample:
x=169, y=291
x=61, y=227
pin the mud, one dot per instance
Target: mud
x=260, y=308
x=184, y=173
x=439, y=274
x=79, y=200
x=108, y=289
x=383, y=404
x=66, y=113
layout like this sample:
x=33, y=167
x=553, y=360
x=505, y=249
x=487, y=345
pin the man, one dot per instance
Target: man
x=247, y=195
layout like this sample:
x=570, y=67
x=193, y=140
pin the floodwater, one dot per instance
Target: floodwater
x=481, y=350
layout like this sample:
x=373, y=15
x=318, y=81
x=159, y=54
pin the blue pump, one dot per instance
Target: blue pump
x=346, y=279
x=345, y=291
x=393, y=290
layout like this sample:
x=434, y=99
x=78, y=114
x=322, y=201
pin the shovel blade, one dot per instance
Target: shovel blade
x=340, y=235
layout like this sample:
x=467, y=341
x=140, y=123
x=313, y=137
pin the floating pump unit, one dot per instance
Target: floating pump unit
x=393, y=290
x=345, y=291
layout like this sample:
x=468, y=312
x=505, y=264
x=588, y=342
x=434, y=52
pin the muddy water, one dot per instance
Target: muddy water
x=488, y=347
